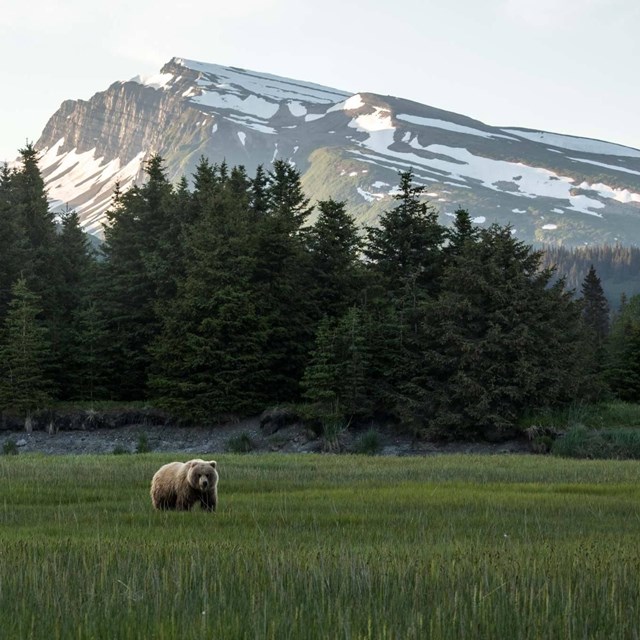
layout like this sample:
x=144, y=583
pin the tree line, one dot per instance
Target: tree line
x=222, y=298
x=617, y=266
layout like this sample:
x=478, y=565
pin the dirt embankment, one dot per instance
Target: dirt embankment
x=131, y=431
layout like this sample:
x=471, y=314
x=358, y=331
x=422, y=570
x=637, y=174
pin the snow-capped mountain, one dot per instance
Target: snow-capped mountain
x=550, y=187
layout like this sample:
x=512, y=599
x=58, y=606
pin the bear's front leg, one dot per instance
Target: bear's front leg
x=208, y=503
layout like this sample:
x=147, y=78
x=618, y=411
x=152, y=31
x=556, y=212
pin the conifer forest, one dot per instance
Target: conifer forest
x=228, y=293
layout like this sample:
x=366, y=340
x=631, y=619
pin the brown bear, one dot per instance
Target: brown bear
x=180, y=485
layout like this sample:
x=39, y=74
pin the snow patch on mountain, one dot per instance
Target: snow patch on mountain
x=379, y=127
x=532, y=182
x=234, y=80
x=449, y=126
x=370, y=196
x=70, y=175
x=350, y=104
x=379, y=120
x=614, y=167
x=296, y=108
x=251, y=105
x=575, y=143
x=156, y=81
x=251, y=123
x=459, y=163
x=605, y=191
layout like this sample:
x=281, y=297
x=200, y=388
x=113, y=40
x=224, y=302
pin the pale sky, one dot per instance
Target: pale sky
x=568, y=66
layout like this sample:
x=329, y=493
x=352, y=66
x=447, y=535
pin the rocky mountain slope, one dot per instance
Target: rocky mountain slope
x=550, y=187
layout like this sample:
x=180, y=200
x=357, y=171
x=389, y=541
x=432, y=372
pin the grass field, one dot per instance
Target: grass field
x=322, y=547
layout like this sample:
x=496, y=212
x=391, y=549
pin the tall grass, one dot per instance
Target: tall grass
x=604, y=444
x=322, y=547
x=605, y=415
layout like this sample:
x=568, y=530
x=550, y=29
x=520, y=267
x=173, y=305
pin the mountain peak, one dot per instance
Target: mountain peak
x=349, y=146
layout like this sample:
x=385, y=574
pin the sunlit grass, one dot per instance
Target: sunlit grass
x=322, y=547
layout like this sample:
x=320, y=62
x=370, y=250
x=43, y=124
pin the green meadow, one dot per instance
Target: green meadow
x=310, y=546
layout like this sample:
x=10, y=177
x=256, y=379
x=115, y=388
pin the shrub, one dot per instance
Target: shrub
x=595, y=416
x=120, y=450
x=332, y=429
x=619, y=444
x=560, y=418
x=369, y=443
x=10, y=448
x=240, y=444
x=143, y=445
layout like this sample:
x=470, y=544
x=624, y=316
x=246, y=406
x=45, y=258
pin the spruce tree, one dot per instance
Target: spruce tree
x=406, y=256
x=12, y=240
x=595, y=310
x=285, y=195
x=78, y=269
x=461, y=232
x=29, y=199
x=208, y=357
x=281, y=279
x=336, y=381
x=498, y=339
x=90, y=373
x=336, y=271
x=259, y=193
x=24, y=355
x=143, y=254
x=406, y=248
x=321, y=378
x=623, y=352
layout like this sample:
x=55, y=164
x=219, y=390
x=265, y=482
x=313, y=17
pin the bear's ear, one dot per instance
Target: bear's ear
x=213, y=463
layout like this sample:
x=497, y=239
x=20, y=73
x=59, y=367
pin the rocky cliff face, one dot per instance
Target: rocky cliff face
x=550, y=187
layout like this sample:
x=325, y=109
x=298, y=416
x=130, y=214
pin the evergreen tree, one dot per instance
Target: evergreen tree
x=23, y=355
x=321, y=378
x=336, y=381
x=596, y=308
x=37, y=248
x=498, y=340
x=281, y=279
x=354, y=358
x=462, y=231
x=406, y=249
x=88, y=378
x=12, y=240
x=137, y=279
x=623, y=352
x=78, y=272
x=286, y=197
x=336, y=270
x=29, y=199
x=260, y=193
x=208, y=358
x=406, y=258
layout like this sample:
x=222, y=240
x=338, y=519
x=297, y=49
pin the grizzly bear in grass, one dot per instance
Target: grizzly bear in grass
x=180, y=485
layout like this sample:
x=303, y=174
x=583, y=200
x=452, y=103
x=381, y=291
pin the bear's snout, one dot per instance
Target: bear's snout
x=204, y=483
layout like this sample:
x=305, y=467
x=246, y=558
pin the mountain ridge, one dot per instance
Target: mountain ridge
x=551, y=187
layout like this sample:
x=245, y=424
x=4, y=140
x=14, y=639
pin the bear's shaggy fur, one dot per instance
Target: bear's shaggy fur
x=180, y=485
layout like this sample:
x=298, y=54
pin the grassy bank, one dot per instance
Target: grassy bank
x=322, y=547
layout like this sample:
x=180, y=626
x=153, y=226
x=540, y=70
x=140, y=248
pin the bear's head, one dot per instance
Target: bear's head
x=202, y=475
